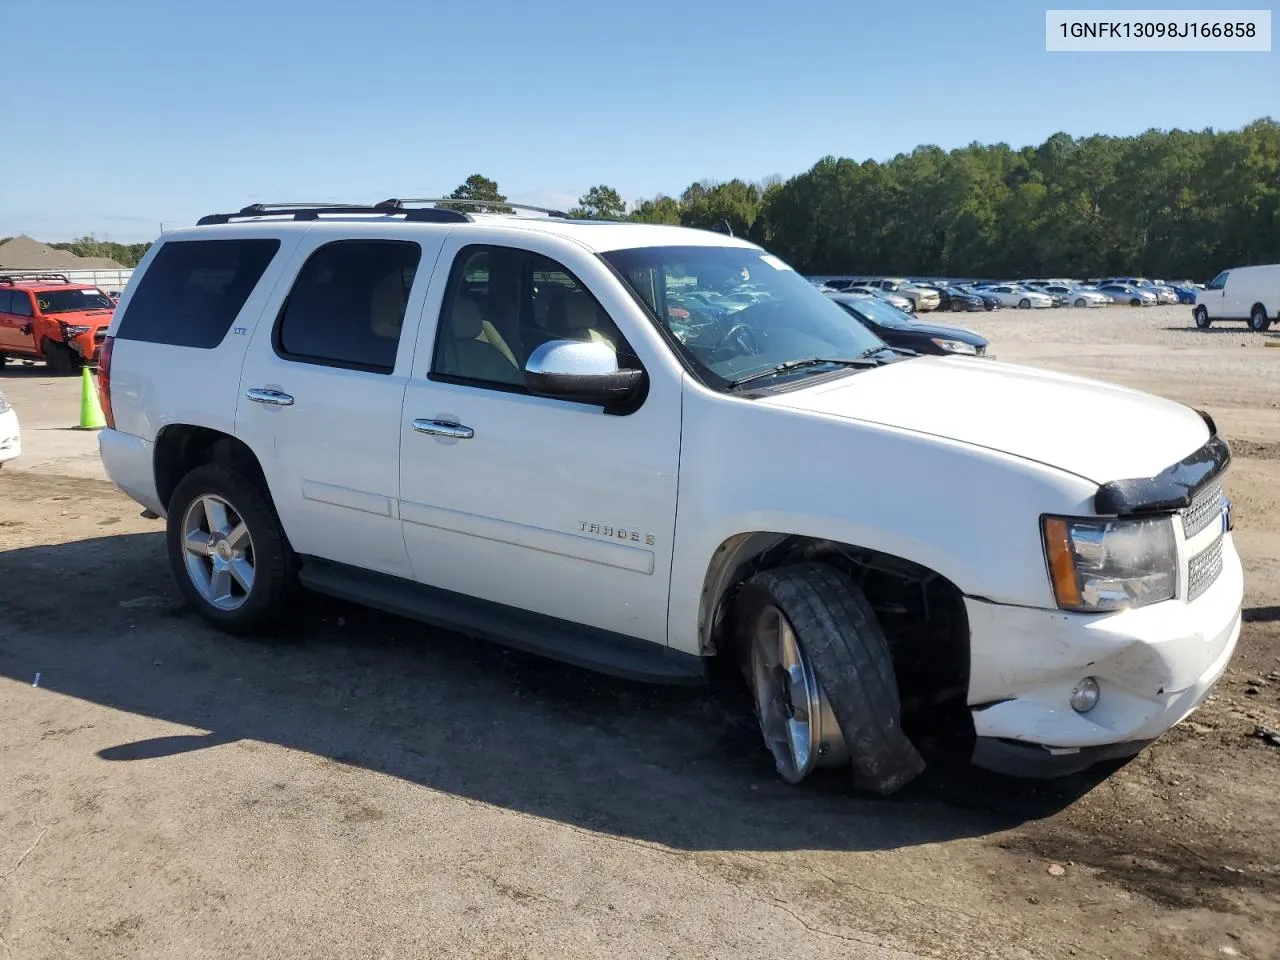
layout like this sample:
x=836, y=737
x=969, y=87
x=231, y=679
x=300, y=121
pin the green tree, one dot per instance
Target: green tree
x=477, y=187
x=713, y=206
x=600, y=203
x=661, y=209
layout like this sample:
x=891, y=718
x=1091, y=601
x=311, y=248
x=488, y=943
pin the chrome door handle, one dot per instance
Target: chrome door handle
x=273, y=397
x=443, y=428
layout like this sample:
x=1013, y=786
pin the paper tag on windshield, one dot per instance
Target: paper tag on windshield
x=774, y=262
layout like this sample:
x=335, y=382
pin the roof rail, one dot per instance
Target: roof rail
x=12, y=278
x=480, y=203
x=313, y=211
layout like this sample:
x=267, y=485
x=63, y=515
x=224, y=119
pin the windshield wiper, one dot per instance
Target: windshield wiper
x=863, y=360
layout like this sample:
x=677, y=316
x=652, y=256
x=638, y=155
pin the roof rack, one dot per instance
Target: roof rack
x=481, y=203
x=313, y=211
x=12, y=278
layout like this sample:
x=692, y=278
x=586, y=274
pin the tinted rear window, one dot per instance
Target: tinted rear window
x=194, y=290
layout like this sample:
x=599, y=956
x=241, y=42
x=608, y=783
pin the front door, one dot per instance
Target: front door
x=544, y=505
x=321, y=391
x=1214, y=296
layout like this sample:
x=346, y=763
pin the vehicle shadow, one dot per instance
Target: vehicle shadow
x=1236, y=329
x=679, y=766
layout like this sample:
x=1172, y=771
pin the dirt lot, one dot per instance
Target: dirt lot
x=366, y=788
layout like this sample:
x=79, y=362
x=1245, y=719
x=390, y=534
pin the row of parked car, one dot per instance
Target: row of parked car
x=919, y=296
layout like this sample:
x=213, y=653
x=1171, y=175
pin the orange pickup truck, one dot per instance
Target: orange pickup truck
x=43, y=316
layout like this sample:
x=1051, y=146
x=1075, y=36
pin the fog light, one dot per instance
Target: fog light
x=1085, y=696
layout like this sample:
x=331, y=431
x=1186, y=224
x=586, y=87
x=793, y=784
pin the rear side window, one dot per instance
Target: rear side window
x=6, y=300
x=194, y=290
x=21, y=305
x=347, y=305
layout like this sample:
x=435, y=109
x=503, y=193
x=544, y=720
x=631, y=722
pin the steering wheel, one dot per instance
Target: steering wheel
x=741, y=336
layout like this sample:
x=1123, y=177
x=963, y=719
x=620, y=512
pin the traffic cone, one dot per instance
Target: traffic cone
x=91, y=417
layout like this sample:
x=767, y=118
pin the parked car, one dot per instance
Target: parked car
x=899, y=330
x=10, y=434
x=1186, y=293
x=897, y=300
x=931, y=544
x=1162, y=294
x=958, y=301
x=1010, y=295
x=989, y=301
x=45, y=317
x=923, y=298
x=1134, y=296
x=1078, y=297
x=1251, y=294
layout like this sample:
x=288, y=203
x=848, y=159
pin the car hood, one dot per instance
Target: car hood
x=1095, y=430
x=94, y=317
x=943, y=330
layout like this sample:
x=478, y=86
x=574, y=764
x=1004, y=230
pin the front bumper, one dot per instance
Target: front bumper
x=85, y=345
x=1154, y=665
x=10, y=436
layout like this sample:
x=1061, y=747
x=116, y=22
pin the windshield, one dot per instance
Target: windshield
x=783, y=320
x=69, y=301
x=877, y=311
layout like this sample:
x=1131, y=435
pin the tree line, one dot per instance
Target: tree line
x=125, y=254
x=1168, y=204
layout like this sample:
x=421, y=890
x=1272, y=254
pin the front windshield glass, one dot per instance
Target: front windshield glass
x=877, y=311
x=69, y=301
x=737, y=311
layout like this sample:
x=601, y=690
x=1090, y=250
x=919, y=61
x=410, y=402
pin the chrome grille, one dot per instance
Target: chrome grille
x=1204, y=510
x=1204, y=569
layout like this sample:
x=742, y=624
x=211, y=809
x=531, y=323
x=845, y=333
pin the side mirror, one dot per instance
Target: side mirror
x=581, y=370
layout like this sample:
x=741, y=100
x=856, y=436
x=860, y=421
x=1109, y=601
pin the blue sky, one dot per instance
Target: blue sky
x=150, y=111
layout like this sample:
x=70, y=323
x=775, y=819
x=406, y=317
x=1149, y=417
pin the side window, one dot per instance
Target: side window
x=193, y=291
x=347, y=305
x=6, y=300
x=502, y=304
x=21, y=305
x=1219, y=281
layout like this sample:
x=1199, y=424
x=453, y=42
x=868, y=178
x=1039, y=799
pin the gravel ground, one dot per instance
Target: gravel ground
x=367, y=787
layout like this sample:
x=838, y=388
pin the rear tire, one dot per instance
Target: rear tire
x=271, y=562
x=59, y=358
x=1202, y=317
x=1258, y=319
x=1135, y=302
x=842, y=644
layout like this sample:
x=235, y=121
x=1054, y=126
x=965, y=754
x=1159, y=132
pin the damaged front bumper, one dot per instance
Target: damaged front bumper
x=1153, y=665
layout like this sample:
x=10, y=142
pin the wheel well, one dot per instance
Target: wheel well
x=921, y=612
x=181, y=448
x=1258, y=306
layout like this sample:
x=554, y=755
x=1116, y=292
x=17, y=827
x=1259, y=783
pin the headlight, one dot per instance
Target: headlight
x=955, y=346
x=1109, y=564
x=75, y=331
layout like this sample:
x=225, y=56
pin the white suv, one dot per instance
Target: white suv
x=505, y=425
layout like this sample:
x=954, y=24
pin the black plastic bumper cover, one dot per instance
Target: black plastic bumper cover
x=1032, y=760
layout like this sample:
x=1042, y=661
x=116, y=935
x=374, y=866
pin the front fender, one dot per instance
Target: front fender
x=968, y=513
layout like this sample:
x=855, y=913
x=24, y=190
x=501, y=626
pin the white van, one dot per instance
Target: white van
x=1251, y=294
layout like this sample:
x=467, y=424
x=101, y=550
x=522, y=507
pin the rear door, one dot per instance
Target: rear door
x=17, y=321
x=322, y=386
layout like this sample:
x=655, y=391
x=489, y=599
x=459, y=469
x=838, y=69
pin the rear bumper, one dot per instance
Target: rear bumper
x=1153, y=665
x=129, y=463
x=10, y=436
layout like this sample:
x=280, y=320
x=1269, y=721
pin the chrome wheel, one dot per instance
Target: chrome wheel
x=218, y=552
x=795, y=719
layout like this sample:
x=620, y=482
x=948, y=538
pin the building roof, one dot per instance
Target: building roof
x=24, y=253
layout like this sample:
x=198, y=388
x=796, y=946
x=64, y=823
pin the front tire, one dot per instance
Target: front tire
x=822, y=678
x=227, y=550
x=1024, y=304
x=1080, y=302
x=1258, y=319
x=1135, y=302
x=1202, y=317
x=59, y=359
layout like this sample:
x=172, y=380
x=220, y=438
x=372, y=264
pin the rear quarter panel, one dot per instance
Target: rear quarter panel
x=154, y=385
